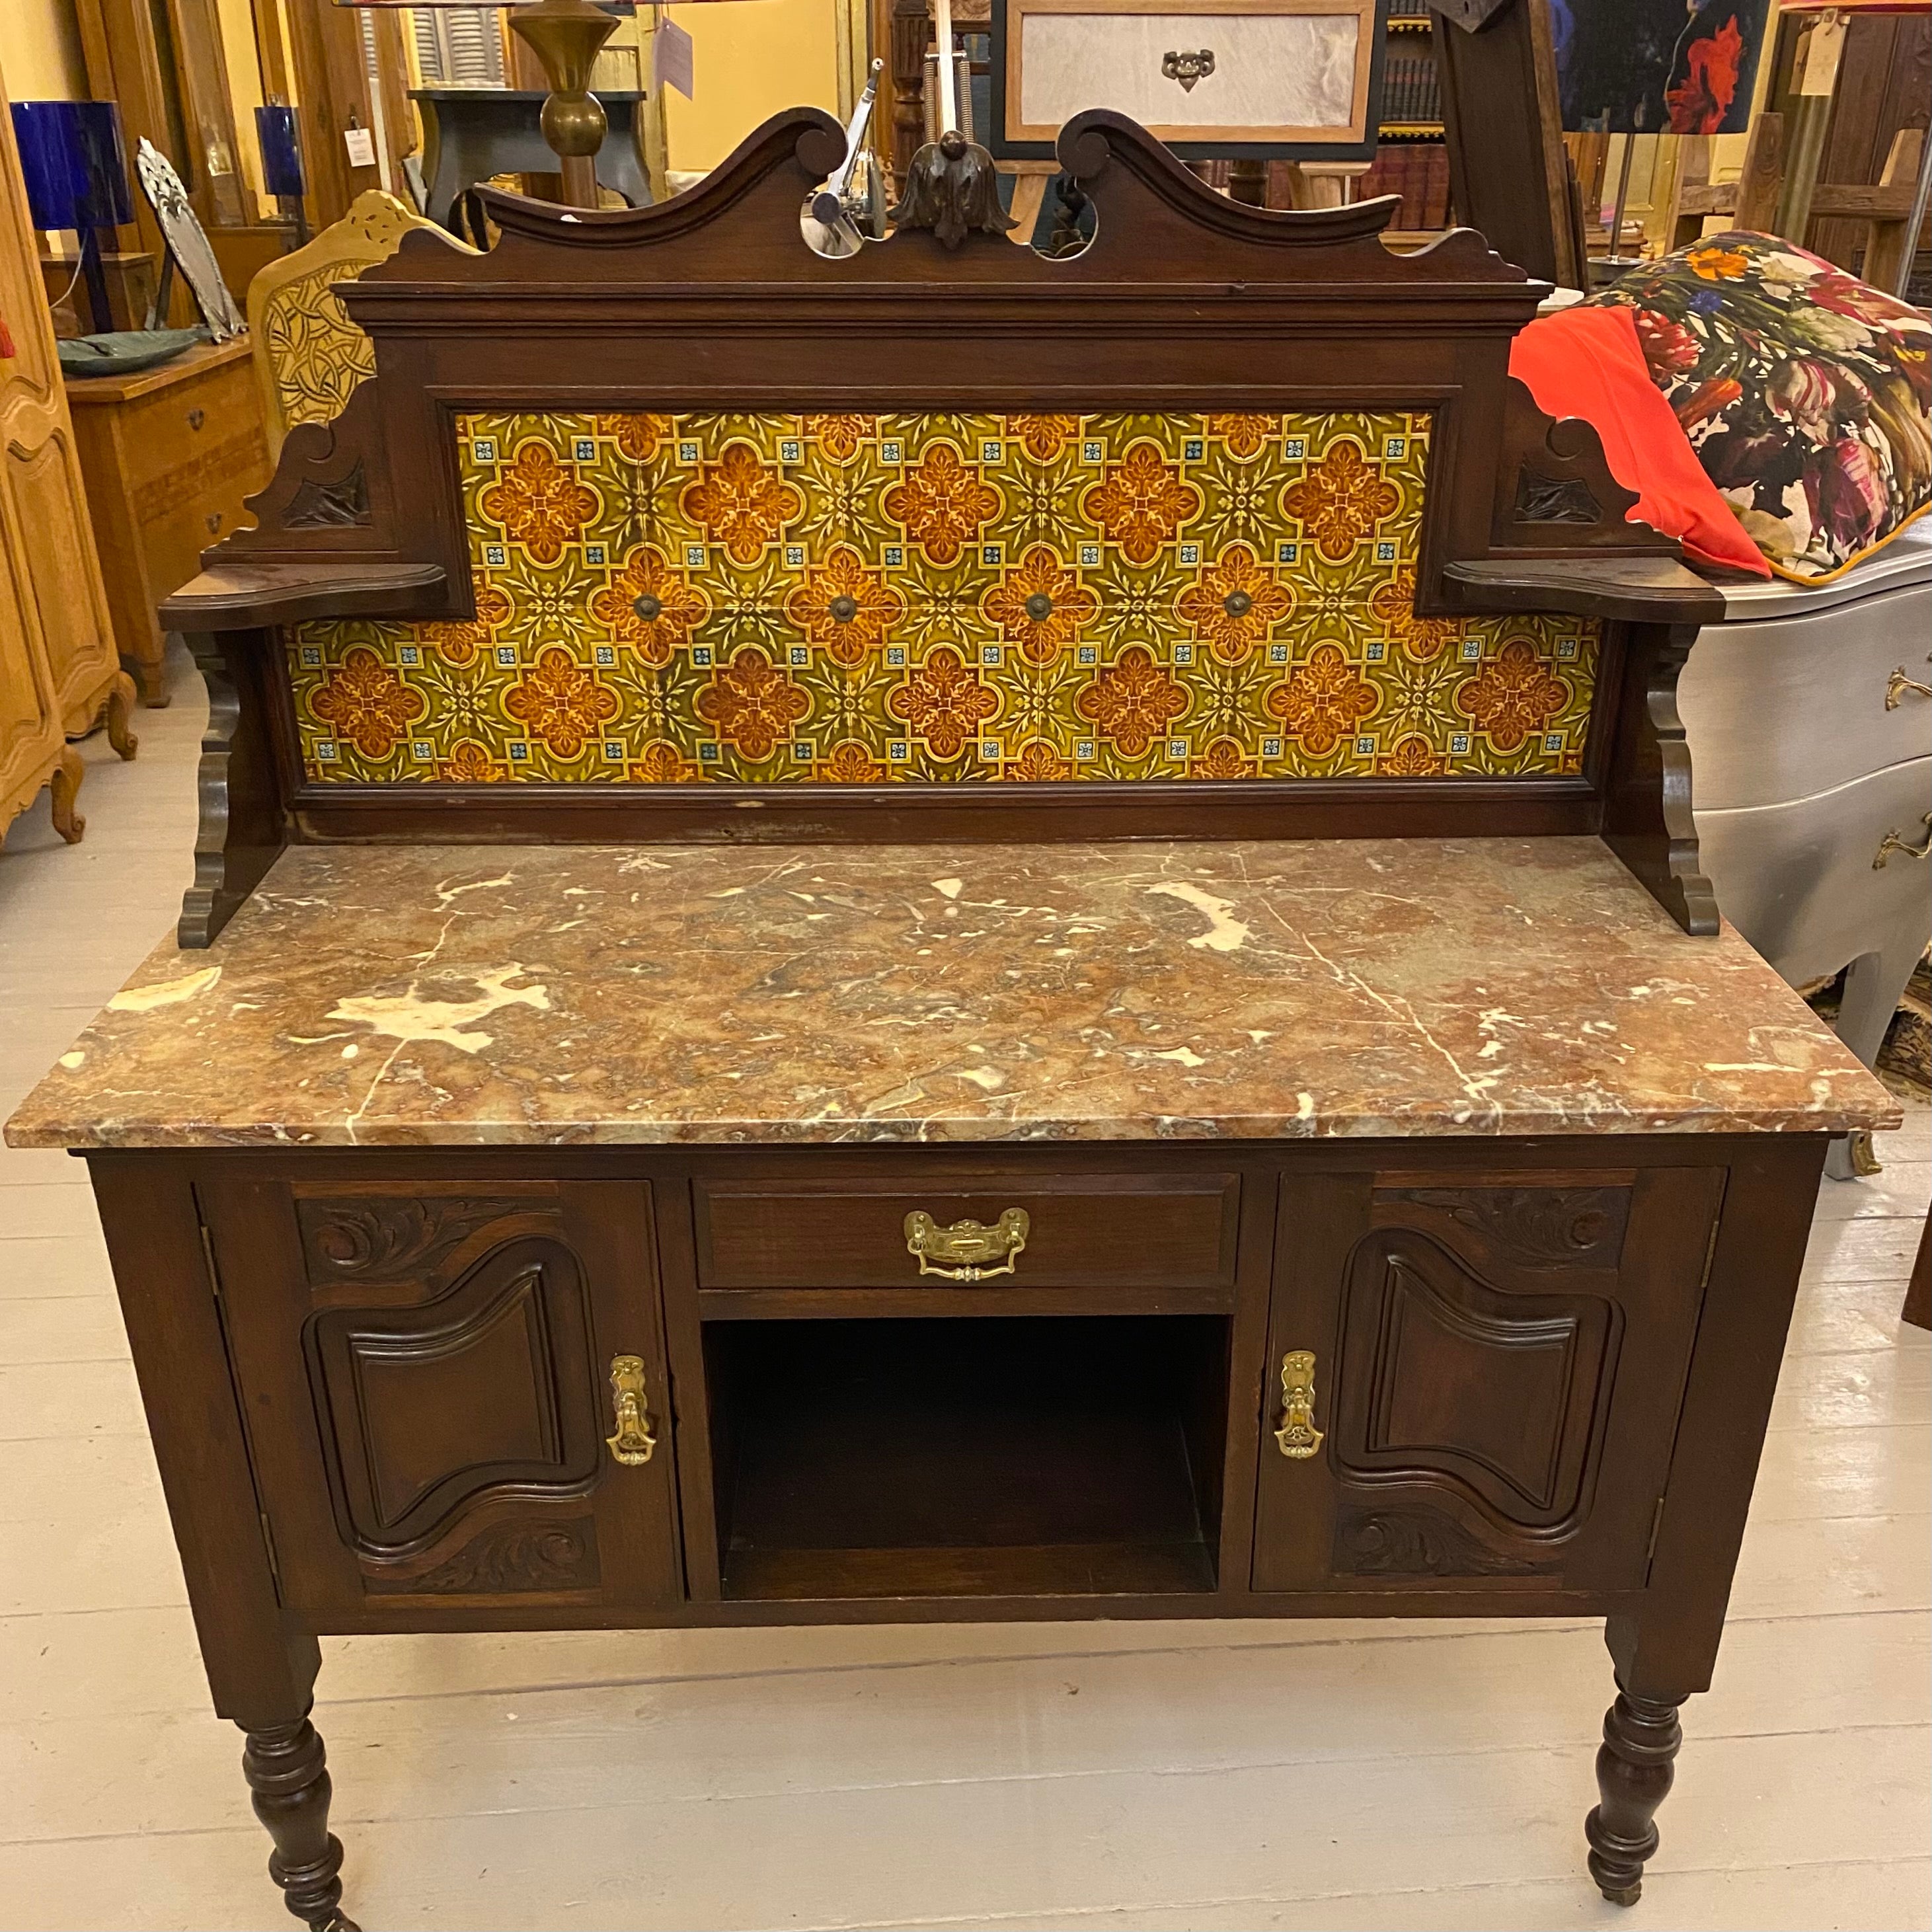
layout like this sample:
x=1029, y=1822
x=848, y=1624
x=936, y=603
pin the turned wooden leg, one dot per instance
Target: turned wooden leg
x=65, y=785
x=1641, y=1737
x=120, y=713
x=288, y=1773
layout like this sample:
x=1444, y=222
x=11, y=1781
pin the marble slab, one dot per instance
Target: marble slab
x=379, y=996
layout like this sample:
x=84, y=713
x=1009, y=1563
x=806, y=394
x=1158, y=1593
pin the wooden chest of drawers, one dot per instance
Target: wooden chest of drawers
x=168, y=456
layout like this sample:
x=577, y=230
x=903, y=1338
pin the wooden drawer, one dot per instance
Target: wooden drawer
x=1132, y=1230
x=1798, y=882
x=1793, y=706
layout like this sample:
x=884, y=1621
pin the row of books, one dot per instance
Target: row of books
x=1410, y=92
x=1418, y=171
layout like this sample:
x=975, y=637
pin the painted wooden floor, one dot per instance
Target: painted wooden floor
x=1159, y=1777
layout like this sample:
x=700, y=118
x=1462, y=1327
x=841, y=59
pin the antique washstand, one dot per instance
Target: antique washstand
x=948, y=935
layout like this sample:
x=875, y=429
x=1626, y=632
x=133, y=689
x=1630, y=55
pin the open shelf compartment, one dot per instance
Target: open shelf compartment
x=1007, y=1456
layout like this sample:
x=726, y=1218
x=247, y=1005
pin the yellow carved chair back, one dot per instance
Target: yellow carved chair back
x=308, y=355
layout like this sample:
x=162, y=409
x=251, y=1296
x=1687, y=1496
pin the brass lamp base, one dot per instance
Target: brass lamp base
x=567, y=35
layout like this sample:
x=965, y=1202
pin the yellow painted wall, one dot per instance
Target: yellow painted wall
x=750, y=59
x=244, y=91
x=40, y=51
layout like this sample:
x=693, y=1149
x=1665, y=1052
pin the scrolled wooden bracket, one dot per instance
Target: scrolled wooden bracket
x=244, y=821
x=1647, y=820
x=1554, y=493
x=330, y=494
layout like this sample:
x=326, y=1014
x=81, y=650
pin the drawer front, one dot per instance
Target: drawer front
x=1252, y=71
x=1084, y=1232
x=181, y=424
x=1798, y=881
x=1795, y=706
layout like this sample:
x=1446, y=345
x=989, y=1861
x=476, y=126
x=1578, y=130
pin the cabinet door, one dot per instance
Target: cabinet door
x=1497, y=1366
x=427, y=1375
x=57, y=571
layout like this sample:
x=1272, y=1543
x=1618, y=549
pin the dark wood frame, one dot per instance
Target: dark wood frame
x=1179, y=302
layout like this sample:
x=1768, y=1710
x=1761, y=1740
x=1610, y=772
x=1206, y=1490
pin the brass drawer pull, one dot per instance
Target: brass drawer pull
x=1898, y=684
x=633, y=1442
x=1298, y=1436
x=1188, y=68
x=969, y=1247
x=1892, y=842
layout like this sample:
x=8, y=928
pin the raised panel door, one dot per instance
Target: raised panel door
x=432, y=1376
x=1497, y=1368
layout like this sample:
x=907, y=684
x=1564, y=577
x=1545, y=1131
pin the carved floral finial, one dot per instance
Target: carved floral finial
x=953, y=188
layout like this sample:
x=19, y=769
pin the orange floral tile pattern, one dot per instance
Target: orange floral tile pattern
x=851, y=599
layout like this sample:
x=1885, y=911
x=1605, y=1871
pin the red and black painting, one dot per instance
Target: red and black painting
x=1641, y=67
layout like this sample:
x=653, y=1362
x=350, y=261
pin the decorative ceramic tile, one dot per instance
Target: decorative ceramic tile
x=853, y=599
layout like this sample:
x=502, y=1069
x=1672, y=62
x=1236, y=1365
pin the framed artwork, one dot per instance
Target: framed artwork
x=1286, y=80
x=1648, y=67
x=188, y=246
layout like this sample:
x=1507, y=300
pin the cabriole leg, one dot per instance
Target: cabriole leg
x=1641, y=1739
x=288, y=1773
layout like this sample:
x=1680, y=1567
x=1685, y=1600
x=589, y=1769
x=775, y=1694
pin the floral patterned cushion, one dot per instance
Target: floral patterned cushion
x=1803, y=390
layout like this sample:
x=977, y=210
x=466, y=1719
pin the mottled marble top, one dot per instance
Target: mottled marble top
x=384, y=996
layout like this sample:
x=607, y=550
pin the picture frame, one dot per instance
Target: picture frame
x=1203, y=77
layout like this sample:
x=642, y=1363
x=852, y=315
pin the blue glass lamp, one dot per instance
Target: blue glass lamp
x=278, y=134
x=76, y=177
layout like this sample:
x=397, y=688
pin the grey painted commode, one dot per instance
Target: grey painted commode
x=1809, y=714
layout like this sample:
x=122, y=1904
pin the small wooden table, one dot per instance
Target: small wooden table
x=169, y=455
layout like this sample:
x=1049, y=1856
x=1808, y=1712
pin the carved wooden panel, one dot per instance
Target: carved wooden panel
x=369, y=1238
x=1499, y=1363
x=1536, y=1225
x=525, y=1554
x=431, y=1409
x=1391, y=1541
x=1488, y=1401
x=428, y=1368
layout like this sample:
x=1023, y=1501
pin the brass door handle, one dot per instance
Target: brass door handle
x=1898, y=684
x=1892, y=842
x=1297, y=1435
x=970, y=1250
x=633, y=1443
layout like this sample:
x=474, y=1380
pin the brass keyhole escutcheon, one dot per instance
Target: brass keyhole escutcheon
x=968, y=1251
x=633, y=1443
x=1298, y=1437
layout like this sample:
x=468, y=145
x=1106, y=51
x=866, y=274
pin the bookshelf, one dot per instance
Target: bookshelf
x=1411, y=160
